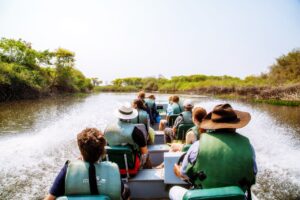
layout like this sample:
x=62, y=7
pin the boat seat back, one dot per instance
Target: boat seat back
x=186, y=147
x=84, y=197
x=172, y=119
x=222, y=193
x=125, y=157
x=181, y=131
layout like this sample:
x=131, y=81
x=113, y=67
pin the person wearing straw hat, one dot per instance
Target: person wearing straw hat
x=124, y=132
x=184, y=118
x=222, y=157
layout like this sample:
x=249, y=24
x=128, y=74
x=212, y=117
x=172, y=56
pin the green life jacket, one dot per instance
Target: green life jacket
x=176, y=108
x=119, y=133
x=187, y=117
x=107, y=176
x=142, y=118
x=224, y=159
x=150, y=103
x=195, y=130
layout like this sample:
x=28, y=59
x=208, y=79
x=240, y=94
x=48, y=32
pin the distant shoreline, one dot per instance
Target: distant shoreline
x=285, y=95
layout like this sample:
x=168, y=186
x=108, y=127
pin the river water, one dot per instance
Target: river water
x=38, y=136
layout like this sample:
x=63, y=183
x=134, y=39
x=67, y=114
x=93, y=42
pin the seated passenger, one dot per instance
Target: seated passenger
x=124, y=132
x=163, y=122
x=142, y=117
x=193, y=133
x=233, y=162
x=176, y=107
x=184, y=118
x=150, y=102
x=81, y=177
x=142, y=96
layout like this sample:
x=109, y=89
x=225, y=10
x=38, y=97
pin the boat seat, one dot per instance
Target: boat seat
x=172, y=119
x=186, y=147
x=159, y=137
x=125, y=157
x=84, y=197
x=221, y=193
x=156, y=153
x=181, y=131
x=148, y=184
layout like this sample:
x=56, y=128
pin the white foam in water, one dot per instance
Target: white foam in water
x=31, y=160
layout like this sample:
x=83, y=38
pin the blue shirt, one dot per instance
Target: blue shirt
x=169, y=109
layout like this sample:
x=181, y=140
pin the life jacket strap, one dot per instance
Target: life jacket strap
x=93, y=180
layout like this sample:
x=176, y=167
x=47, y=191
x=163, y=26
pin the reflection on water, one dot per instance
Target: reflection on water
x=37, y=137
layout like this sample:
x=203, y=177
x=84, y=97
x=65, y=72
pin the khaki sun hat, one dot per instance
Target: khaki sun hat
x=125, y=111
x=223, y=116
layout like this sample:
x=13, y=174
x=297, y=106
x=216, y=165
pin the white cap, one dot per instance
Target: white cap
x=188, y=103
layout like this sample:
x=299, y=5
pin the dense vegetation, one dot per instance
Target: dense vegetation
x=29, y=73
x=282, y=82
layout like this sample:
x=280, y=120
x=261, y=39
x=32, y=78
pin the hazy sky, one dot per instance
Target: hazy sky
x=122, y=38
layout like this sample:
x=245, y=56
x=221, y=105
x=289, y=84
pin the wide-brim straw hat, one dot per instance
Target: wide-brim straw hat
x=125, y=111
x=223, y=116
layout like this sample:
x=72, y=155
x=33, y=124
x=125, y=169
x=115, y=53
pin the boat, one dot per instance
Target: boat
x=155, y=183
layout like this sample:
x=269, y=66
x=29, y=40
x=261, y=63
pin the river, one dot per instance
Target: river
x=38, y=136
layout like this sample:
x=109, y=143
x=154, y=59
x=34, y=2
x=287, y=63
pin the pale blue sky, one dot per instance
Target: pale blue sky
x=122, y=38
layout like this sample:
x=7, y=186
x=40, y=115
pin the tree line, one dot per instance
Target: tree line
x=28, y=73
x=281, y=82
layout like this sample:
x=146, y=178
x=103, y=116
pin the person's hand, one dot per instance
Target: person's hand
x=176, y=147
x=174, y=131
x=176, y=170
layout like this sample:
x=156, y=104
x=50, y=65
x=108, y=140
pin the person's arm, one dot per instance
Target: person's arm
x=58, y=187
x=190, y=137
x=50, y=197
x=139, y=138
x=177, y=122
x=254, y=161
x=191, y=156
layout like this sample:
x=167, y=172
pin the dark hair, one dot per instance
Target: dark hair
x=175, y=99
x=199, y=113
x=139, y=104
x=151, y=96
x=141, y=95
x=91, y=143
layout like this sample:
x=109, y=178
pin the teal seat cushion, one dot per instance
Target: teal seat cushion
x=172, y=119
x=222, y=193
x=182, y=130
x=84, y=197
x=116, y=154
x=186, y=147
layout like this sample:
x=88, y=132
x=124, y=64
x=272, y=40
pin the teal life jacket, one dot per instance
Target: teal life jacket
x=187, y=117
x=176, y=108
x=224, y=159
x=142, y=118
x=107, y=177
x=119, y=133
x=195, y=130
x=150, y=103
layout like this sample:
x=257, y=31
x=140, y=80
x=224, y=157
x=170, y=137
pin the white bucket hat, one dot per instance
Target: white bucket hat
x=125, y=111
x=188, y=103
